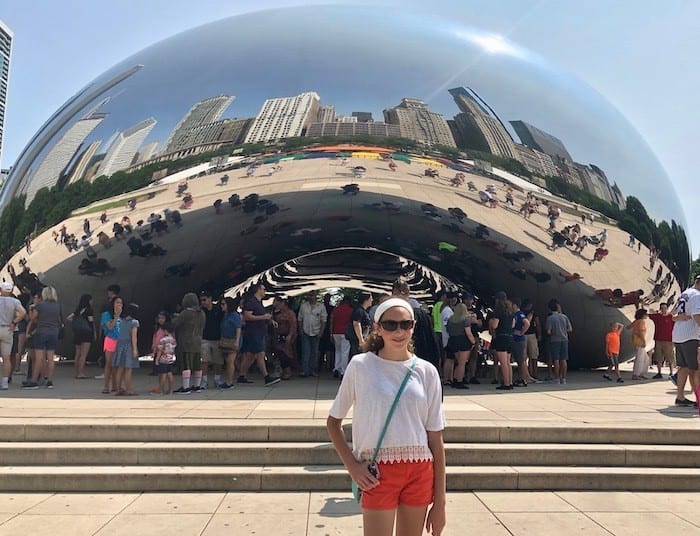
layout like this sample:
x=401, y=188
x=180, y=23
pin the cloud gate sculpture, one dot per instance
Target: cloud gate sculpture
x=342, y=146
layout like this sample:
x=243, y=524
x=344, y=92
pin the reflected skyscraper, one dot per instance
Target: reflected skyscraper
x=478, y=127
x=542, y=141
x=285, y=117
x=60, y=155
x=417, y=122
x=6, y=36
x=122, y=151
x=203, y=113
x=82, y=162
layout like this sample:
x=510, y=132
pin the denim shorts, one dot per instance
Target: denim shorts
x=45, y=341
x=559, y=350
x=253, y=344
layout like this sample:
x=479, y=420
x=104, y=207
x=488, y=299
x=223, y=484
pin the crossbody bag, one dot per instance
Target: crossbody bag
x=356, y=491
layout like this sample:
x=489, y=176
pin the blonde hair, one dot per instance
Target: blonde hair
x=461, y=313
x=49, y=294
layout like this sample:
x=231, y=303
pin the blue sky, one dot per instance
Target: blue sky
x=640, y=55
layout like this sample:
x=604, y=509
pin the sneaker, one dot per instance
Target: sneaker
x=243, y=379
x=49, y=384
x=657, y=376
x=520, y=383
x=460, y=385
x=447, y=383
x=674, y=378
x=336, y=374
x=30, y=385
x=183, y=391
x=620, y=380
x=198, y=389
x=4, y=387
x=226, y=385
x=42, y=383
x=494, y=382
x=271, y=380
x=474, y=381
x=684, y=402
x=607, y=377
x=100, y=377
x=505, y=387
x=562, y=381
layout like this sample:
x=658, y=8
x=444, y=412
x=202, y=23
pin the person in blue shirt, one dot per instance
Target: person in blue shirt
x=230, y=338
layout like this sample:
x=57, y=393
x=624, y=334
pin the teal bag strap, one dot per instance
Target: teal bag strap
x=393, y=407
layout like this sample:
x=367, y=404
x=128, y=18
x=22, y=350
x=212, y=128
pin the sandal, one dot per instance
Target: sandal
x=105, y=391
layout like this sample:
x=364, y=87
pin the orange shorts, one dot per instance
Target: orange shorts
x=407, y=483
x=110, y=345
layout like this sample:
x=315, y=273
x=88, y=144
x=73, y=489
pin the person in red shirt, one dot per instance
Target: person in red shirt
x=340, y=318
x=612, y=351
x=664, y=350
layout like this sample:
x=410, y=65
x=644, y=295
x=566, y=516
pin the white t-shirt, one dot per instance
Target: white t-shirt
x=445, y=314
x=369, y=386
x=8, y=306
x=688, y=303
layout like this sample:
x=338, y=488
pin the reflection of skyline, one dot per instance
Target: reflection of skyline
x=413, y=61
x=123, y=150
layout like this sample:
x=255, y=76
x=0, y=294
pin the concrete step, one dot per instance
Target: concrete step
x=322, y=453
x=228, y=430
x=334, y=478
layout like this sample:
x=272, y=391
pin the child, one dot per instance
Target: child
x=126, y=355
x=165, y=358
x=612, y=350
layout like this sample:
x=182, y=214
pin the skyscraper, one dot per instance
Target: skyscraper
x=478, y=125
x=122, y=151
x=60, y=155
x=5, y=53
x=284, y=117
x=542, y=141
x=417, y=122
x=204, y=112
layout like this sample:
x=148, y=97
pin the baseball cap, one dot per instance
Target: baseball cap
x=7, y=286
x=468, y=296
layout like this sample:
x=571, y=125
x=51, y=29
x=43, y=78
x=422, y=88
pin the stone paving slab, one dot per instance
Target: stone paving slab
x=306, y=514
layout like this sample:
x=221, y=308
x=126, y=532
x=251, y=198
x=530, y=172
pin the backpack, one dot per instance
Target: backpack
x=80, y=324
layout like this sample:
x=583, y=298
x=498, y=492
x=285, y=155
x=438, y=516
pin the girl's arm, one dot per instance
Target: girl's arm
x=435, y=522
x=134, y=342
x=358, y=470
x=469, y=334
x=358, y=331
x=237, y=337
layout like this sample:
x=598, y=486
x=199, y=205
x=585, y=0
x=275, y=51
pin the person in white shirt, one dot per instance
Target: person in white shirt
x=410, y=470
x=312, y=321
x=11, y=312
x=686, y=337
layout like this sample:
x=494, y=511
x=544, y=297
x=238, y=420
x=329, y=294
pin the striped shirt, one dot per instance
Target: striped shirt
x=688, y=303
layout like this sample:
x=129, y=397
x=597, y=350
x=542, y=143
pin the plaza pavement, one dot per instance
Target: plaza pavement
x=587, y=400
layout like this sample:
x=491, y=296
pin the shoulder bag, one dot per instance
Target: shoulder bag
x=356, y=491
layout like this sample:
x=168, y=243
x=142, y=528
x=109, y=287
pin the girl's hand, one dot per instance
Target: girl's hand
x=436, y=520
x=362, y=477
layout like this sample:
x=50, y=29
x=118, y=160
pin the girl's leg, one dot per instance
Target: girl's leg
x=161, y=383
x=48, y=371
x=78, y=349
x=459, y=371
x=447, y=370
x=117, y=373
x=127, y=380
x=379, y=522
x=171, y=383
x=230, y=367
x=84, y=350
x=108, y=371
x=410, y=520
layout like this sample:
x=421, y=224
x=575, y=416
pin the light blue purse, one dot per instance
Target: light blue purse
x=356, y=491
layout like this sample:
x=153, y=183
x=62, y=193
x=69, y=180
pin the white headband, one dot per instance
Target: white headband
x=392, y=302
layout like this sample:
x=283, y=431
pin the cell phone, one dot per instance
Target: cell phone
x=373, y=469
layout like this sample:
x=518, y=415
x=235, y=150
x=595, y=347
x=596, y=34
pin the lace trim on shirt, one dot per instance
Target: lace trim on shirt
x=407, y=453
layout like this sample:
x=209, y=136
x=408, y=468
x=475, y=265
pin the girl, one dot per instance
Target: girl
x=126, y=355
x=83, y=325
x=501, y=327
x=45, y=321
x=460, y=342
x=410, y=471
x=110, y=322
x=639, y=333
x=158, y=333
x=165, y=358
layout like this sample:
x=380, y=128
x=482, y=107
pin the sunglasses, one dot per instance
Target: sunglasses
x=393, y=325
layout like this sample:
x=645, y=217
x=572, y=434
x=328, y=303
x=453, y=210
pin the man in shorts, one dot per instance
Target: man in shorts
x=11, y=312
x=663, y=340
x=211, y=337
x=558, y=327
x=686, y=336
